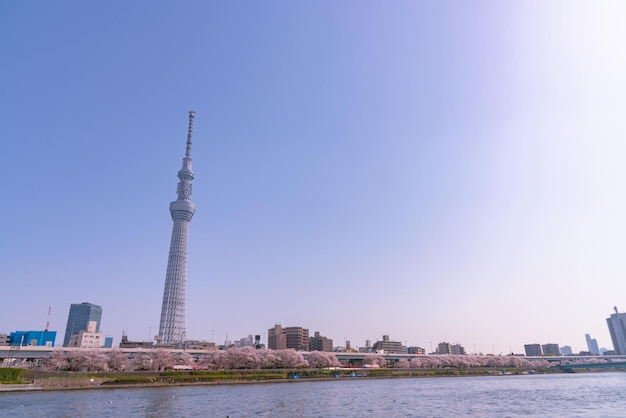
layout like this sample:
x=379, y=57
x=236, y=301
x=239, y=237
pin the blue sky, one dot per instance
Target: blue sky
x=435, y=171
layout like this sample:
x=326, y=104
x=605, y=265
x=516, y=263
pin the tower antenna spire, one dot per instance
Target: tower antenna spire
x=48, y=323
x=192, y=115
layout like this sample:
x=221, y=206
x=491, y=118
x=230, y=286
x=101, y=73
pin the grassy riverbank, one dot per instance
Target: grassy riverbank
x=40, y=380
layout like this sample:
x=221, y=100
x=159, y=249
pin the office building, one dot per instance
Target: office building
x=88, y=338
x=551, y=349
x=172, y=324
x=617, y=329
x=453, y=349
x=79, y=317
x=320, y=343
x=457, y=350
x=297, y=338
x=533, y=350
x=279, y=338
x=388, y=346
x=276, y=338
x=592, y=345
x=245, y=341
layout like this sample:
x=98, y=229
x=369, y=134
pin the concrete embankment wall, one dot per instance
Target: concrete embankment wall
x=18, y=387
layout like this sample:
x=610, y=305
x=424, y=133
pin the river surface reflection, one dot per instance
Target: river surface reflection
x=563, y=395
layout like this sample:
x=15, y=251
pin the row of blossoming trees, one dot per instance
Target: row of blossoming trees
x=160, y=360
x=250, y=358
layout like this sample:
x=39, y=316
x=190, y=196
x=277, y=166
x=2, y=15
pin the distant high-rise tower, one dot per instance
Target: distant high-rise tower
x=78, y=319
x=592, y=345
x=617, y=329
x=172, y=326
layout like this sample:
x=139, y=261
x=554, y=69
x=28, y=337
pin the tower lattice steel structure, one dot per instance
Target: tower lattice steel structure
x=172, y=325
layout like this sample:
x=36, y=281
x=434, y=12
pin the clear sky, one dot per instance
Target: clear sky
x=436, y=171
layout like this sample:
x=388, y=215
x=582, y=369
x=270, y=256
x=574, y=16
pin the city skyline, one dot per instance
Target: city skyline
x=86, y=312
x=433, y=172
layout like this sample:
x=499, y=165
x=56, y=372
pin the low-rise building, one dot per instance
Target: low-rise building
x=320, y=343
x=416, y=350
x=33, y=338
x=199, y=345
x=245, y=341
x=388, y=346
x=88, y=338
x=126, y=343
x=452, y=349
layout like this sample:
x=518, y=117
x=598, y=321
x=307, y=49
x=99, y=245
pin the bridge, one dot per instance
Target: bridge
x=605, y=365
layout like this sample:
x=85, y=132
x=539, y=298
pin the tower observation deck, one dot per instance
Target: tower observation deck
x=172, y=325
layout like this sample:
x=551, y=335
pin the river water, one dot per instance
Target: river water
x=562, y=395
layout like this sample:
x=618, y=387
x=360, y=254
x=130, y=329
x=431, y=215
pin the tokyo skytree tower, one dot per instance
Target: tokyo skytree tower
x=172, y=326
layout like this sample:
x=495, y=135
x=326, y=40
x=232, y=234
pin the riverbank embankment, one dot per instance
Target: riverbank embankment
x=63, y=380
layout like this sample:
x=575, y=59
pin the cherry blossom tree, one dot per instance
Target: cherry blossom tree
x=117, y=360
x=57, y=361
x=290, y=359
x=269, y=359
x=162, y=360
x=320, y=359
x=375, y=360
x=403, y=364
x=143, y=361
x=87, y=360
x=540, y=364
x=469, y=361
x=416, y=363
x=213, y=360
x=184, y=359
x=243, y=358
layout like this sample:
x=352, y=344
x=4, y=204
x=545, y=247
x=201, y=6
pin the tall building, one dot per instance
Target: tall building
x=78, y=319
x=592, y=345
x=276, y=338
x=533, y=350
x=550, y=349
x=617, y=329
x=172, y=325
x=297, y=338
x=279, y=338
